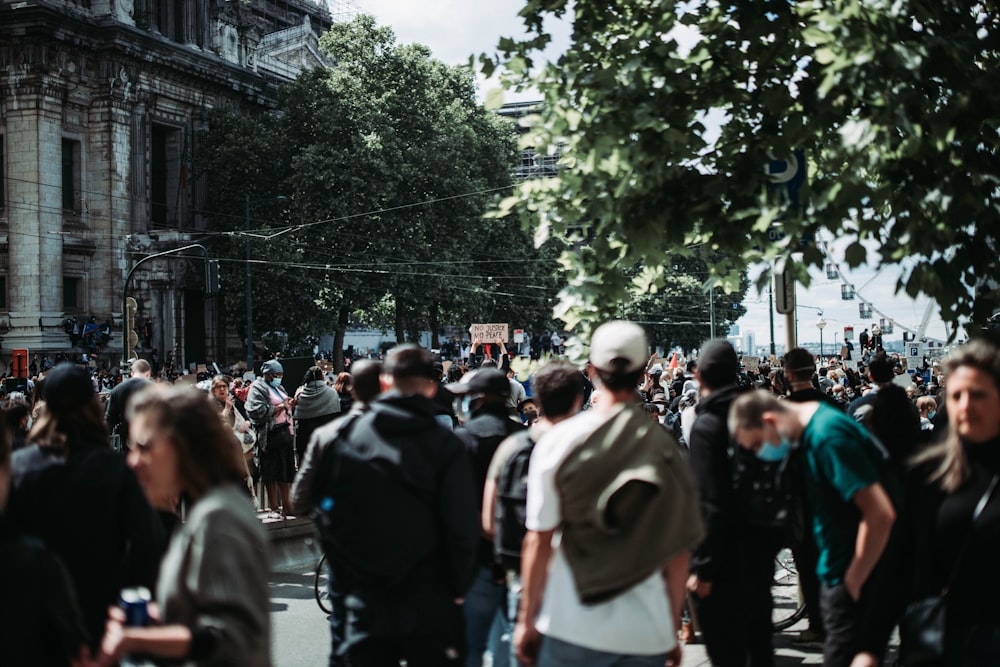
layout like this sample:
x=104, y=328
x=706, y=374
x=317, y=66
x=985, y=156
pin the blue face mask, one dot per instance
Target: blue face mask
x=773, y=453
x=930, y=415
x=276, y=382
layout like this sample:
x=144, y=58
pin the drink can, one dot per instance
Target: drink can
x=135, y=603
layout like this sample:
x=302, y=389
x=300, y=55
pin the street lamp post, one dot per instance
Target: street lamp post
x=821, y=324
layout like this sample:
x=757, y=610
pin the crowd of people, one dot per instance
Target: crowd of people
x=604, y=514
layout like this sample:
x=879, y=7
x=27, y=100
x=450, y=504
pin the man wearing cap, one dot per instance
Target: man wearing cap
x=484, y=394
x=732, y=569
x=611, y=518
x=270, y=408
x=407, y=532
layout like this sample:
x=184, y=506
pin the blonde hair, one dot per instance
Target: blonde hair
x=952, y=467
x=926, y=402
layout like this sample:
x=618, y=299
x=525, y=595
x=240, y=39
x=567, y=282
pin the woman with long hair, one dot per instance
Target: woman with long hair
x=40, y=622
x=212, y=589
x=957, y=553
x=72, y=491
x=225, y=403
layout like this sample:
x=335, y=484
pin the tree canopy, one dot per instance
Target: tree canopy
x=386, y=163
x=669, y=113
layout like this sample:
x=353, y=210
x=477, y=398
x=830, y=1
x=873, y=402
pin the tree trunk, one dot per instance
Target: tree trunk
x=432, y=320
x=400, y=323
x=343, y=317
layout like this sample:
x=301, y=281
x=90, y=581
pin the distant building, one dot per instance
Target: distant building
x=100, y=103
x=532, y=164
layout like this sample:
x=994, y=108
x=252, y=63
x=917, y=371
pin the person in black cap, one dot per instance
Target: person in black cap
x=79, y=497
x=732, y=569
x=401, y=526
x=483, y=396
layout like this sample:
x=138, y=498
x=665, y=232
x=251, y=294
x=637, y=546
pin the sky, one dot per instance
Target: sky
x=456, y=29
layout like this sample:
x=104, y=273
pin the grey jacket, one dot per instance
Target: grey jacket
x=260, y=411
x=215, y=575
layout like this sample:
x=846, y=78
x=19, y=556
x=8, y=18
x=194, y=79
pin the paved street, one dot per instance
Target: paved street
x=301, y=637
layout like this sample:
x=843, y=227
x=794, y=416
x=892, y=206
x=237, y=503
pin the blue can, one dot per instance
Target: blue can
x=135, y=603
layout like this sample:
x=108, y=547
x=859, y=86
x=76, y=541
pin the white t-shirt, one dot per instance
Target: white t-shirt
x=636, y=622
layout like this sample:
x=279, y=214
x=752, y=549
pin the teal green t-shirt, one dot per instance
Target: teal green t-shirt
x=842, y=459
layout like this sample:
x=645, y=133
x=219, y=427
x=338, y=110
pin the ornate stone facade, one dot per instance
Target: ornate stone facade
x=100, y=103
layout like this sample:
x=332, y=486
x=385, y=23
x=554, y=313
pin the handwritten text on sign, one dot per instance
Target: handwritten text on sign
x=489, y=332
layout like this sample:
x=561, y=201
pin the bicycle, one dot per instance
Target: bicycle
x=321, y=584
x=788, y=604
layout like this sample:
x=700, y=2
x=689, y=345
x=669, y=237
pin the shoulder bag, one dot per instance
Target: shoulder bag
x=922, y=628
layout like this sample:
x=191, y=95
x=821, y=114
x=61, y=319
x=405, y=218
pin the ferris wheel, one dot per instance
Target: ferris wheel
x=866, y=309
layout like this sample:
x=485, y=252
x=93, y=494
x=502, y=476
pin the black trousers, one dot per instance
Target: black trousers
x=735, y=619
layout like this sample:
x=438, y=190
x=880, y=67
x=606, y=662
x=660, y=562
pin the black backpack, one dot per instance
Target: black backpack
x=767, y=494
x=511, y=504
x=376, y=538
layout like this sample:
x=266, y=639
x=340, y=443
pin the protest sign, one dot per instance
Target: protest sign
x=489, y=332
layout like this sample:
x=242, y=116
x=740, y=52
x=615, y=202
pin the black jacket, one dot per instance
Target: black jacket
x=91, y=512
x=432, y=462
x=482, y=434
x=40, y=622
x=731, y=550
x=114, y=414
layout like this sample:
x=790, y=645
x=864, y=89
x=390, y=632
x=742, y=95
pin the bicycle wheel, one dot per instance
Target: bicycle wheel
x=786, y=594
x=321, y=584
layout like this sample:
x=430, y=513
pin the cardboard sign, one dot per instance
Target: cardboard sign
x=488, y=333
x=751, y=364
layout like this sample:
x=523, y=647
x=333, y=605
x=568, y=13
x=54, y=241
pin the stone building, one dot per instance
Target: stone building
x=100, y=104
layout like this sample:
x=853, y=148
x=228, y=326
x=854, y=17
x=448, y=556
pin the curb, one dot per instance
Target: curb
x=293, y=542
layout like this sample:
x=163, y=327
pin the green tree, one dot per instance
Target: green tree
x=679, y=313
x=390, y=164
x=668, y=113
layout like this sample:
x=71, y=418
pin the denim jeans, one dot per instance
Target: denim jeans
x=558, y=653
x=485, y=603
x=513, y=603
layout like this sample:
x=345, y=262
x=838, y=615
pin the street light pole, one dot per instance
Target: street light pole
x=821, y=324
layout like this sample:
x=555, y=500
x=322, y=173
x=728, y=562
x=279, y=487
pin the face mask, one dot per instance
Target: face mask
x=930, y=415
x=773, y=453
x=530, y=415
x=467, y=405
x=276, y=382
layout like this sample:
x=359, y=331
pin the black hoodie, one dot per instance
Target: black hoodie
x=401, y=432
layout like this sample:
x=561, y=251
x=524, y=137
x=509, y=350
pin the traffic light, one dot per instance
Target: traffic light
x=213, y=277
x=131, y=337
